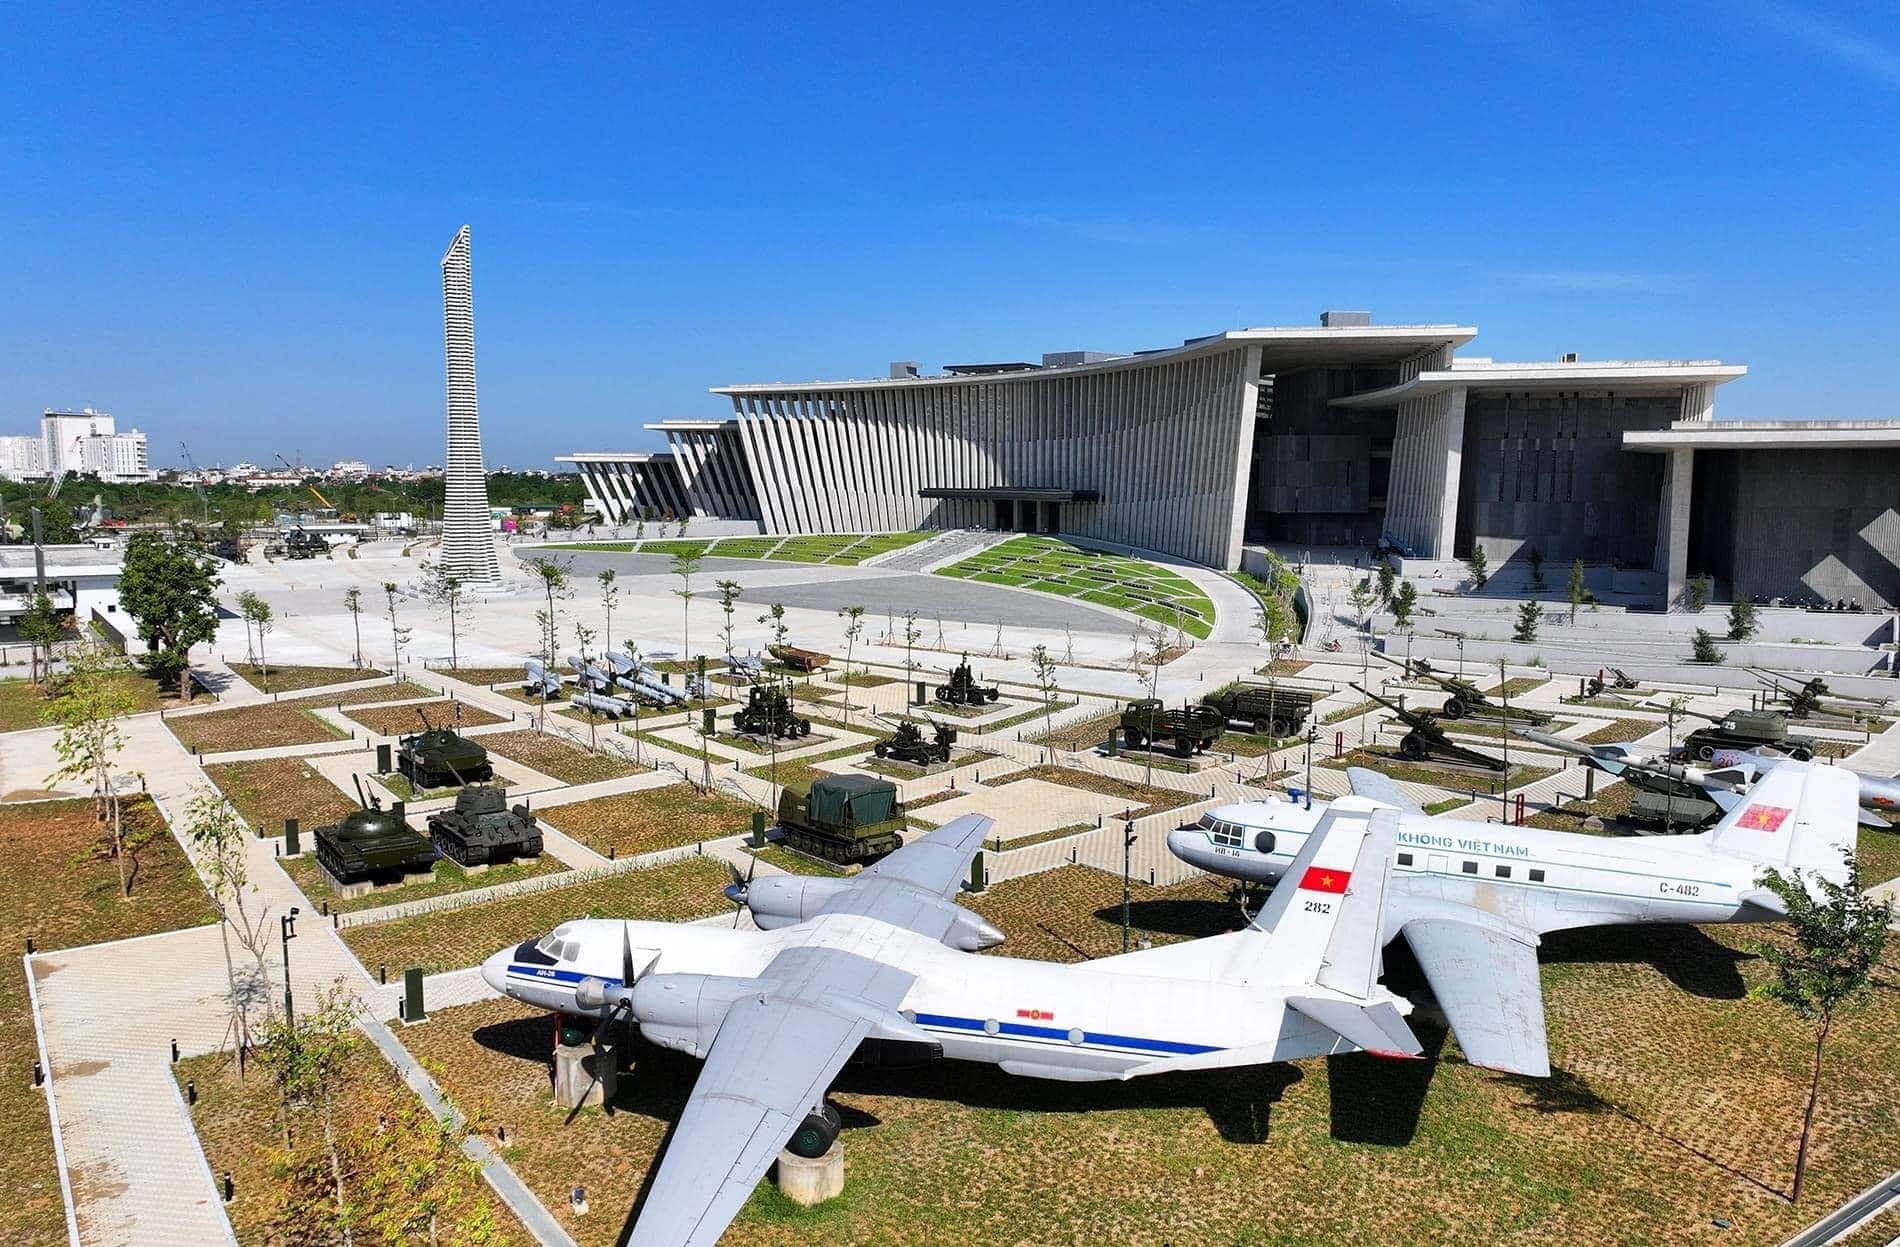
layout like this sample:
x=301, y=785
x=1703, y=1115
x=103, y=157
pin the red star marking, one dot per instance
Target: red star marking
x=1317, y=880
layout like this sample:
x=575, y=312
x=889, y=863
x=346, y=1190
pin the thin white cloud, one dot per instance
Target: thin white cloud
x=1829, y=38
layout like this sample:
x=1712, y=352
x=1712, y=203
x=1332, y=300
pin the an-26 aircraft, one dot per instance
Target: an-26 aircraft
x=887, y=958
x=1472, y=899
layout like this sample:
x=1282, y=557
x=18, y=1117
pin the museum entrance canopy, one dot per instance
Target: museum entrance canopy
x=1004, y=493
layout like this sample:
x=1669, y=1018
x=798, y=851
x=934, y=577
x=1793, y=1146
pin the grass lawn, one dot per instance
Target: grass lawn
x=795, y=863
x=1619, y=731
x=1353, y=711
x=43, y=894
x=267, y=791
x=1051, y=565
x=451, y=938
x=446, y=878
x=1082, y=734
x=484, y=675
x=21, y=701
x=1140, y=797
x=238, y=1128
x=371, y=695
x=400, y=720
x=1878, y=855
x=282, y=679
x=1389, y=763
x=791, y=774
x=556, y=757
x=631, y=823
x=266, y=724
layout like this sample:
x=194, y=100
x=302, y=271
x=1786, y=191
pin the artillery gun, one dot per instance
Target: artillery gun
x=1806, y=699
x=1426, y=741
x=843, y=818
x=908, y=744
x=372, y=843
x=1745, y=729
x=1618, y=681
x=438, y=757
x=1466, y=700
x=768, y=712
x=1146, y=721
x=963, y=690
x=481, y=828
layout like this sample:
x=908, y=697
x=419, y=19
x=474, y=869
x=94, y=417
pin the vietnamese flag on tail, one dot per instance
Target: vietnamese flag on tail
x=1319, y=879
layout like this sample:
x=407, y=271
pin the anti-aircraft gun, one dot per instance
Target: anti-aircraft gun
x=1467, y=700
x=963, y=690
x=907, y=744
x=437, y=757
x=1805, y=699
x=768, y=712
x=1661, y=794
x=1426, y=741
x=1745, y=729
x=372, y=843
x=481, y=828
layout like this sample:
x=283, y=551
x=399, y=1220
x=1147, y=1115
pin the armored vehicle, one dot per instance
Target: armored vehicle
x=1146, y=722
x=1466, y=699
x=372, y=843
x=909, y=745
x=801, y=659
x=843, y=818
x=481, y=828
x=1746, y=729
x=437, y=757
x=299, y=544
x=1267, y=708
x=1427, y=741
x=963, y=690
x=768, y=712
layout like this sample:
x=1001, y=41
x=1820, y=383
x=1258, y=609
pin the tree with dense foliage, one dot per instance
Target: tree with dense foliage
x=1698, y=591
x=1404, y=603
x=1388, y=581
x=1529, y=615
x=40, y=628
x=1704, y=648
x=1478, y=567
x=90, y=699
x=1743, y=619
x=170, y=591
x=1839, y=933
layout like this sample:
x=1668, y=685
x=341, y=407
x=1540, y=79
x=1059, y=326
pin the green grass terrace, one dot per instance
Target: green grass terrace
x=1051, y=565
x=844, y=549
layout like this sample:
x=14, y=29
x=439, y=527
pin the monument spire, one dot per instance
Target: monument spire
x=468, y=535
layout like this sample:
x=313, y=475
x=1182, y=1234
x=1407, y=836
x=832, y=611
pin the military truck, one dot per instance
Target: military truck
x=437, y=757
x=1145, y=722
x=963, y=690
x=372, y=843
x=768, y=712
x=481, y=829
x=907, y=744
x=843, y=818
x=1746, y=729
x=1263, y=707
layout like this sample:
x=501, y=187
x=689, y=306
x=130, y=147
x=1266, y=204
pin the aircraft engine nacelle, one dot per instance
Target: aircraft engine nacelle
x=781, y=900
x=683, y=1011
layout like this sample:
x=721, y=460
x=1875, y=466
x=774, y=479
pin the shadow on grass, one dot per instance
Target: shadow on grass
x=1376, y=1100
x=1192, y=917
x=1685, y=955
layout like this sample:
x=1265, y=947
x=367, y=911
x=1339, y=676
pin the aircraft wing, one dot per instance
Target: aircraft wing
x=769, y=1065
x=940, y=861
x=1380, y=787
x=1485, y=978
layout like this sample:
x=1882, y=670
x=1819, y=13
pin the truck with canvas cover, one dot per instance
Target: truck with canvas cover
x=843, y=818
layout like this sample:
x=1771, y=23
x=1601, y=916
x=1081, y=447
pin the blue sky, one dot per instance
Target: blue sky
x=224, y=226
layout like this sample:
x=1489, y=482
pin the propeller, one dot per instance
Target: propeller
x=741, y=884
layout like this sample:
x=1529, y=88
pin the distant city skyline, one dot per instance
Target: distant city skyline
x=862, y=188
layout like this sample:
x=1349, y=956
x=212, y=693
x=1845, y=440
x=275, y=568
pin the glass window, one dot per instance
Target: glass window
x=1504, y=872
x=1264, y=842
x=1405, y=859
x=1471, y=868
x=1537, y=876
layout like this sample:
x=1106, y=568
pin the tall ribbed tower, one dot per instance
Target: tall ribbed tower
x=468, y=538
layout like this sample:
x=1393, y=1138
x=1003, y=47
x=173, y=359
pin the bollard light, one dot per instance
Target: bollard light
x=230, y=1187
x=174, y=1052
x=191, y=1090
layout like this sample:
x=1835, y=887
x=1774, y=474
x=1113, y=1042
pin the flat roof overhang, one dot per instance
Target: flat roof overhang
x=1281, y=349
x=1767, y=435
x=615, y=456
x=1004, y=493
x=1628, y=377
x=691, y=426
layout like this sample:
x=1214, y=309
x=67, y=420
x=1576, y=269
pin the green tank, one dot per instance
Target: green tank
x=768, y=712
x=373, y=843
x=437, y=757
x=480, y=828
x=1747, y=729
x=843, y=818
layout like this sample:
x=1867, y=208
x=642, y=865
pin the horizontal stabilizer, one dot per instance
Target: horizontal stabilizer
x=1484, y=974
x=1380, y=787
x=1377, y=1028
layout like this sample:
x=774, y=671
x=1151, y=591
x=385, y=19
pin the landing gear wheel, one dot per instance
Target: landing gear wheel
x=1801, y=753
x=1705, y=752
x=1452, y=709
x=815, y=1134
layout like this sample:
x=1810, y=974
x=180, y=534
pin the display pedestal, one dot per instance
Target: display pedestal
x=574, y=1081
x=808, y=1182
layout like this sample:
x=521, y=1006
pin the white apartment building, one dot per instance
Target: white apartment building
x=22, y=458
x=89, y=441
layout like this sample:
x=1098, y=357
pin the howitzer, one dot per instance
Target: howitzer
x=1807, y=698
x=1465, y=699
x=1427, y=739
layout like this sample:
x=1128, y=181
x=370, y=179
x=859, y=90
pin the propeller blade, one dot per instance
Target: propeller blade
x=613, y=1015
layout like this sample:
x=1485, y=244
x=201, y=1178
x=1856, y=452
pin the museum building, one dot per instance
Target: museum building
x=1339, y=434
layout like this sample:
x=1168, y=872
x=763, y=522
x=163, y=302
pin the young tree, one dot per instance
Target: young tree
x=448, y=591
x=1705, y=648
x=257, y=614
x=775, y=616
x=911, y=633
x=1045, y=668
x=170, y=591
x=729, y=591
x=1839, y=933
x=1478, y=567
x=40, y=628
x=414, y=1179
x=310, y=1059
x=90, y=701
x=218, y=838
x=685, y=566
x=1529, y=615
x=1576, y=590
x=353, y=603
x=1362, y=598
x=244, y=600
x=1388, y=581
x=584, y=637
x=398, y=634
x=854, y=625
x=552, y=575
x=1698, y=591
x=1404, y=603
x=1743, y=620
x=609, y=598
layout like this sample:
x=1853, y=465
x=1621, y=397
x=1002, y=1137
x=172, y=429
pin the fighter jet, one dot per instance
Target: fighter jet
x=1473, y=899
x=887, y=956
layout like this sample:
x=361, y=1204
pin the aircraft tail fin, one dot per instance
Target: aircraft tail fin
x=1324, y=922
x=1799, y=816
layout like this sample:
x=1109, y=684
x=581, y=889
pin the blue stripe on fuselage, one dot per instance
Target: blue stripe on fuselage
x=944, y=1021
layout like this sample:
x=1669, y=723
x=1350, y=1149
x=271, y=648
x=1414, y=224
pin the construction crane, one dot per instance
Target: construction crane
x=198, y=481
x=315, y=492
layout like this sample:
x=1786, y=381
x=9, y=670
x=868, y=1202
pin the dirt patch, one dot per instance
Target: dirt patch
x=266, y=791
x=268, y=725
x=401, y=720
x=1142, y=799
x=556, y=757
x=632, y=823
x=292, y=679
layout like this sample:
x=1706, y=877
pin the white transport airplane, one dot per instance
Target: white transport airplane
x=1472, y=899
x=887, y=957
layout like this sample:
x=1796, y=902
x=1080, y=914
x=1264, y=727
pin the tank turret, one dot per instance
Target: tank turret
x=437, y=757
x=372, y=843
x=481, y=828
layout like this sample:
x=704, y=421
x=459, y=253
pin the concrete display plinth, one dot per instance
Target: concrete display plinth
x=1167, y=759
x=807, y=1182
x=363, y=887
x=574, y=1069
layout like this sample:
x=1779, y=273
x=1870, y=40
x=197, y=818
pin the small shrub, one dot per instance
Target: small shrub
x=1705, y=647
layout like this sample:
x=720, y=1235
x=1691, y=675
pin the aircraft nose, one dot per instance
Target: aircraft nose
x=1180, y=844
x=495, y=970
